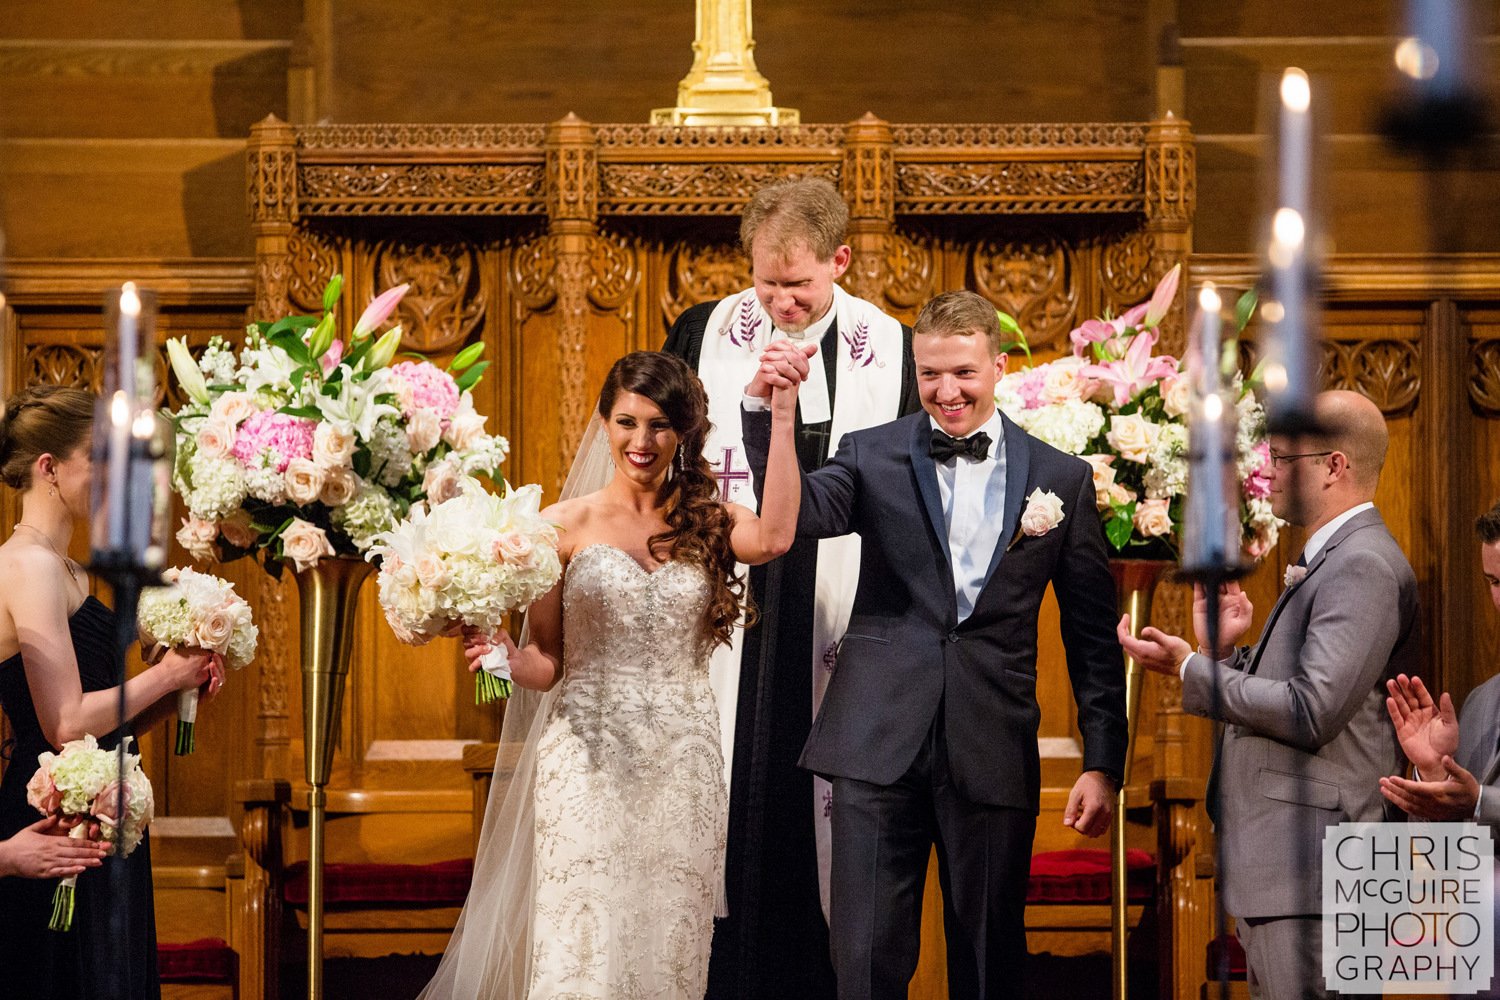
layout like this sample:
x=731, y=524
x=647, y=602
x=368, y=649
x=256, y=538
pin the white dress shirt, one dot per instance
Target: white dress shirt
x=973, y=498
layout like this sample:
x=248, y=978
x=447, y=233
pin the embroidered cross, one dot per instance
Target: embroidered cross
x=830, y=656
x=728, y=475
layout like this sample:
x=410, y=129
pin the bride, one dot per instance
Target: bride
x=600, y=869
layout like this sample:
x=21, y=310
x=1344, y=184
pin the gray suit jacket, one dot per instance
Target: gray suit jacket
x=1306, y=735
x=1478, y=743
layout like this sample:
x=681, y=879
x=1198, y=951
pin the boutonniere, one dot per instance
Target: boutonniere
x=1293, y=575
x=1044, y=511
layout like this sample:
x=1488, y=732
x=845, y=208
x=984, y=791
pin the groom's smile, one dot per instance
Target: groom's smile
x=956, y=377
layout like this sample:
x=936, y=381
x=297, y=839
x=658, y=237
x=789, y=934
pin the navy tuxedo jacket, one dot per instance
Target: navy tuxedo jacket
x=906, y=657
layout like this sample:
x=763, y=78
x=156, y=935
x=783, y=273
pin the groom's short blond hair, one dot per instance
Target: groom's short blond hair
x=959, y=314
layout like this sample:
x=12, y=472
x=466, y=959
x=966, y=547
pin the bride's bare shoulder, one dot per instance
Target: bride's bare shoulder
x=573, y=515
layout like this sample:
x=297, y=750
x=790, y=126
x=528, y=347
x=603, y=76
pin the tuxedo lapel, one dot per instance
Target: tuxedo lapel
x=925, y=470
x=1017, y=469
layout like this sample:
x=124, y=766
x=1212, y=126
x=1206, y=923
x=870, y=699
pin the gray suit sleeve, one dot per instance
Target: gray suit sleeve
x=1351, y=632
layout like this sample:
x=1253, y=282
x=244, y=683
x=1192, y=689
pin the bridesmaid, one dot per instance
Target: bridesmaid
x=57, y=670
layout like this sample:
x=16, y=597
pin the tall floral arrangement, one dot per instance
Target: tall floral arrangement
x=307, y=444
x=1123, y=408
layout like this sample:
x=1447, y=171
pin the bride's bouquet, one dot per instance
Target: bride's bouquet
x=82, y=783
x=1123, y=409
x=469, y=560
x=308, y=445
x=200, y=610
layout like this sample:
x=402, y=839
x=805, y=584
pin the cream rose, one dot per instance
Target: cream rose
x=1133, y=436
x=465, y=429
x=1044, y=511
x=1121, y=494
x=1104, y=477
x=1152, y=519
x=423, y=431
x=197, y=536
x=239, y=529
x=216, y=438
x=333, y=446
x=304, y=481
x=1062, y=384
x=214, y=630
x=340, y=484
x=233, y=407
x=304, y=544
x=442, y=482
x=1176, y=394
x=513, y=547
x=432, y=573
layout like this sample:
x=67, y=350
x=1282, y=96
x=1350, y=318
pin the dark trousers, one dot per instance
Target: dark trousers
x=882, y=837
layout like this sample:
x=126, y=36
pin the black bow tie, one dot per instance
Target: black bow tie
x=975, y=447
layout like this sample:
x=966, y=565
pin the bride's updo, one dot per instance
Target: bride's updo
x=40, y=420
x=698, y=526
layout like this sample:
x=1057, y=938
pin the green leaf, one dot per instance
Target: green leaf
x=291, y=323
x=305, y=412
x=1244, y=308
x=1118, y=530
x=467, y=379
x=291, y=342
x=332, y=291
x=466, y=357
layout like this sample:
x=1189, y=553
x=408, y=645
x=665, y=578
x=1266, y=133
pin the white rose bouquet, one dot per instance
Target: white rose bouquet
x=306, y=445
x=1123, y=410
x=203, y=611
x=82, y=783
x=470, y=560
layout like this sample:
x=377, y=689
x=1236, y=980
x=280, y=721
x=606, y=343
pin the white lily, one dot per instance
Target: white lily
x=189, y=376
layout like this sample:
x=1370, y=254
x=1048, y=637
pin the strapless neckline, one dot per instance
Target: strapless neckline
x=627, y=556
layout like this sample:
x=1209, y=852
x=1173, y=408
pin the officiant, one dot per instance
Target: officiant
x=769, y=682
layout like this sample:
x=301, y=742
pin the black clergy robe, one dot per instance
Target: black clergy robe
x=774, y=943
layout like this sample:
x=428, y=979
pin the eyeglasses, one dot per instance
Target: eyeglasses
x=1278, y=460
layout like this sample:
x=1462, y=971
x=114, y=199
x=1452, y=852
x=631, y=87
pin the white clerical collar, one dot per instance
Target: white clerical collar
x=994, y=427
x=815, y=330
x=1320, y=537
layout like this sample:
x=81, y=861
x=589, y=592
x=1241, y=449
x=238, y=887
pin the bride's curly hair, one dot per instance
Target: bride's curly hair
x=698, y=526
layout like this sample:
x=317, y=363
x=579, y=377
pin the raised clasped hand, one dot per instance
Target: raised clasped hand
x=783, y=365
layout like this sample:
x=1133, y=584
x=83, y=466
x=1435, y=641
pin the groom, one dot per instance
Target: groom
x=928, y=730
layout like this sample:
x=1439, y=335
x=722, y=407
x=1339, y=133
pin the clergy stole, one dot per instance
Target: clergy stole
x=869, y=355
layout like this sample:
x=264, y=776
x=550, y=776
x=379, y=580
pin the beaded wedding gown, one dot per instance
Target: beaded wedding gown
x=627, y=842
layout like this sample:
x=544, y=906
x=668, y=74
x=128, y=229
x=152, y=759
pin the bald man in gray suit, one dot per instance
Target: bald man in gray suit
x=1306, y=737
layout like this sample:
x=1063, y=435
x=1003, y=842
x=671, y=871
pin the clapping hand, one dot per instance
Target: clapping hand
x=1452, y=798
x=1235, y=613
x=1426, y=730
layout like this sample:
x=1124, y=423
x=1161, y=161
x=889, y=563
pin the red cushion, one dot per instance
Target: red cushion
x=1082, y=876
x=444, y=883
x=207, y=960
x=1226, y=945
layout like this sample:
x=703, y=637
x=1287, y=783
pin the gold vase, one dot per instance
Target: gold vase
x=328, y=594
x=1135, y=585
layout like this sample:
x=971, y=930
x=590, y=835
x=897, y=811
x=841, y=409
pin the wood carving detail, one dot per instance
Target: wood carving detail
x=313, y=260
x=1028, y=277
x=698, y=273
x=272, y=180
x=1387, y=371
x=1019, y=187
x=532, y=273
x=422, y=189
x=1484, y=376
x=369, y=138
x=1066, y=136
x=445, y=303
x=694, y=188
x=614, y=272
x=909, y=270
x=64, y=364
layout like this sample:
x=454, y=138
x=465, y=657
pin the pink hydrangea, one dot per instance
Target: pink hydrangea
x=1030, y=388
x=421, y=385
x=290, y=437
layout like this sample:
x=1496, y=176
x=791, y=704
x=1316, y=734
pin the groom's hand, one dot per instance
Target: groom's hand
x=1091, y=804
x=783, y=365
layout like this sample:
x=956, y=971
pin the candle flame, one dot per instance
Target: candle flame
x=130, y=301
x=1275, y=377
x=144, y=425
x=1288, y=230
x=1208, y=298
x=1416, y=59
x=1272, y=311
x=119, y=408
x=1296, y=91
x=1213, y=408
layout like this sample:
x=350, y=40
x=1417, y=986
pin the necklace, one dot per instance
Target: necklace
x=67, y=563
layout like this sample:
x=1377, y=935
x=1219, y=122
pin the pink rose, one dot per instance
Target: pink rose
x=42, y=792
x=441, y=483
x=423, y=431
x=216, y=438
x=304, y=544
x=108, y=800
x=339, y=486
x=1044, y=511
x=304, y=481
x=197, y=536
x=1152, y=518
x=1104, y=477
x=239, y=529
x=513, y=547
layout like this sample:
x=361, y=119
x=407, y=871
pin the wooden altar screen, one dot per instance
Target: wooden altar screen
x=563, y=246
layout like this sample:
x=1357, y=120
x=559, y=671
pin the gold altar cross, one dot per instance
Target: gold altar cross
x=724, y=87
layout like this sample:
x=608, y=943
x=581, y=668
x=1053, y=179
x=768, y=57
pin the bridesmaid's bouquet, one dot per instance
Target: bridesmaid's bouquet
x=470, y=560
x=310, y=442
x=203, y=611
x=82, y=783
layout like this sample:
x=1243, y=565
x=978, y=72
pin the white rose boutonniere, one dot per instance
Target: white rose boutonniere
x=1293, y=575
x=1044, y=511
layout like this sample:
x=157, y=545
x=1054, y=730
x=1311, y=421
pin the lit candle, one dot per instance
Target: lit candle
x=1291, y=368
x=1211, y=522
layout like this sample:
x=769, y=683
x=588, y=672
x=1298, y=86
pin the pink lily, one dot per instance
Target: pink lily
x=1134, y=372
x=330, y=359
x=1161, y=299
x=378, y=311
x=1099, y=331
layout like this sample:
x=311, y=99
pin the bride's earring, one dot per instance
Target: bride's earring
x=52, y=490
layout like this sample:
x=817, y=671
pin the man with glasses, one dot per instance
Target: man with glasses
x=1306, y=738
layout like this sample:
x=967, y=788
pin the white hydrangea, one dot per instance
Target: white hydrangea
x=1068, y=426
x=486, y=455
x=217, y=363
x=1167, y=471
x=371, y=512
x=390, y=453
x=262, y=481
x=217, y=487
